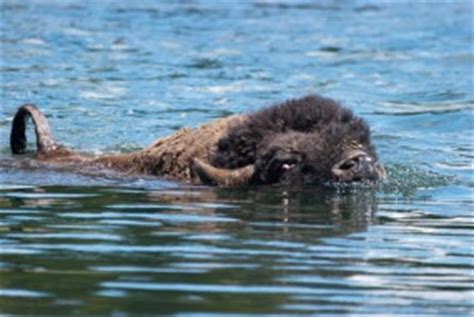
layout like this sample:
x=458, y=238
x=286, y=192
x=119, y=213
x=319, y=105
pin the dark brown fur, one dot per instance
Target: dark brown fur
x=315, y=127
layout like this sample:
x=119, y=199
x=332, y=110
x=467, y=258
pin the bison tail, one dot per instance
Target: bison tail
x=45, y=142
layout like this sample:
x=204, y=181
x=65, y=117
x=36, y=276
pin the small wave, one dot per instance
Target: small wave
x=22, y=293
x=34, y=42
x=297, y=6
x=395, y=108
x=221, y=89
x=406, y=180
x=220, y=52
x=48, y=195
x=468, y=166
x=67, y=236
x=205, y=63
x=367, y=8
x=75, y=32
x=107, y=92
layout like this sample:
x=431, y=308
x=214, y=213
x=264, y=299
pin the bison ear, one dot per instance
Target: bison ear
x=209, y=174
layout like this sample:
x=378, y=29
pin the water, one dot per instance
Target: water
x=114, y=76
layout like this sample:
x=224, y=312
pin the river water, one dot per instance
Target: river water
x=114, y=76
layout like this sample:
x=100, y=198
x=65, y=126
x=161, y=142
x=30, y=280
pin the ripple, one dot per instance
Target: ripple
x=17, y=250
x=22, y=293
x=221, y=89
x=210, y=266
x=150, y=206
x=205, y=63
x=406, y=179
x=210, y=288
x=396, y=108
x=129, y=223
x=456, y=166
x=18, y=211
x=112, y=293
x=150, y=216
x=58, y=196
x=143, y=269
x=13, y=187
x=34, y=42
x=297, y=6
x=66, y=236
x=104, y=93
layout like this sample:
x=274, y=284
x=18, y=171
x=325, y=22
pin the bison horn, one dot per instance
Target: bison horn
x=222, y=177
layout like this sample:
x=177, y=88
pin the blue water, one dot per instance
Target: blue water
x=114, y=76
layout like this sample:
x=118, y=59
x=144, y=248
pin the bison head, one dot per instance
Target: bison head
x=294, y=158
x=313, y=140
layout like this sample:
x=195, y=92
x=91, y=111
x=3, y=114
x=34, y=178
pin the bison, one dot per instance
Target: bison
x=310, y=140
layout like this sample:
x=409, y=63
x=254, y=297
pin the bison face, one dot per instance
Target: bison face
x=309, y=158
x=297, y=158
x=312, y=140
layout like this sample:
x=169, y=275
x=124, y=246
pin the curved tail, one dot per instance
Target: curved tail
x=45, y=142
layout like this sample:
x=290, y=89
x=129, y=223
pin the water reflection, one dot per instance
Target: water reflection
x=207, y=209
x=215, y=243
x=188, y=249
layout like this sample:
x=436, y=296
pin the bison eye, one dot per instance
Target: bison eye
x=277, y=166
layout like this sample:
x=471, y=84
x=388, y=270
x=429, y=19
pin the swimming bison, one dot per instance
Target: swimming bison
x=312, y=140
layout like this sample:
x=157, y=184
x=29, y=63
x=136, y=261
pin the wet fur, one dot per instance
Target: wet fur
x=318, y=124
x=171, y=157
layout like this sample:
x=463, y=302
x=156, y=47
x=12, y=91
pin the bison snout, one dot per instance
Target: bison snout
x=358, y=166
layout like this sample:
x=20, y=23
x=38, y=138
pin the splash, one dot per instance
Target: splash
x=406, y=180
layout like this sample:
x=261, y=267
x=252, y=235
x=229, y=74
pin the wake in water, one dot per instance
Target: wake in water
x=402, y=179
x=406, y=180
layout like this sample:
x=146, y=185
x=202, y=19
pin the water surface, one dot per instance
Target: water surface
x=114, y=76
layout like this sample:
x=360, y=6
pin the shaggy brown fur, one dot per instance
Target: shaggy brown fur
x=314, y=116
x=312, y=132
x=172, y=156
